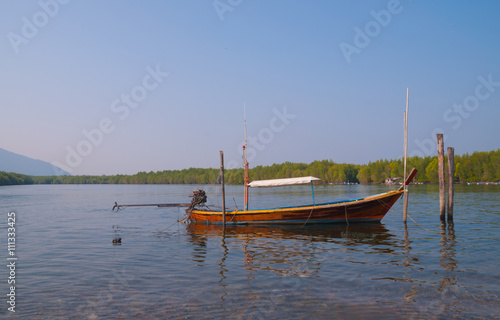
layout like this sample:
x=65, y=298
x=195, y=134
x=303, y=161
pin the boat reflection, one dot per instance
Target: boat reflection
x=376, y=233
x=289, y=250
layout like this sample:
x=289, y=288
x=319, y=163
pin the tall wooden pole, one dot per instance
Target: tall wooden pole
x=451, y=176
x=442, y=194
x=246, y=179
x=405, y=201
x=222, y=187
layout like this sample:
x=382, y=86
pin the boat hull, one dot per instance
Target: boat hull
x=369, y=209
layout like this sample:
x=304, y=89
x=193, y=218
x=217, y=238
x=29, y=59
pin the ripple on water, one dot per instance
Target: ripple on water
x=69, y=269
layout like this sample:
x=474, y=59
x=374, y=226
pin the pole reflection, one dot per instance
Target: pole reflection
x=408, y=262
x=448, y=256
x=223, y=268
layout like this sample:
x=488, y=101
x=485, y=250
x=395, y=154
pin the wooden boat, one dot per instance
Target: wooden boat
x=367, y=209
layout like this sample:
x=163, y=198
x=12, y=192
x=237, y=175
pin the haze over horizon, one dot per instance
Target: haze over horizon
x=119, y=87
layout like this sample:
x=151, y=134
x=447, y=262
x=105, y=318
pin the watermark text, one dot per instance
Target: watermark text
x=31, y=26
x=11, y=261
x=363, y=37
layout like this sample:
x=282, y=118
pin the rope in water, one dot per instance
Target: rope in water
x=421, y=225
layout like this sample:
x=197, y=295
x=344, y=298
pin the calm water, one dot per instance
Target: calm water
x=67, y=267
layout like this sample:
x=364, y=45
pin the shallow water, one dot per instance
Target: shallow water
x=67, y=267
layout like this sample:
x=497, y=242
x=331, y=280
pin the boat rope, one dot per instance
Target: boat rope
x=310, y=213
x=384, y=204
x=418, y=224
x=346, y=220
x=235, y=204
x=183, y=220
x=217, y=187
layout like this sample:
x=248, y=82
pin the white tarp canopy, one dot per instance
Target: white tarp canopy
x=281, y=182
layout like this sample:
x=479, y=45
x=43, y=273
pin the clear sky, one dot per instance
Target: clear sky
x=108, y=87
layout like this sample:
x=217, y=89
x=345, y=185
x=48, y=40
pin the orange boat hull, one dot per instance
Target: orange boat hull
x=369, y=209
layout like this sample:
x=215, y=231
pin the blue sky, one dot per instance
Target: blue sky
x=108, y=87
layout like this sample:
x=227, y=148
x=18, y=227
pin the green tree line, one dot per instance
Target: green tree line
x=478, y=166
x=9, y=178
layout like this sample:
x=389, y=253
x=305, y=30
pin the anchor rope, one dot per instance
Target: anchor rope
x=173, y=224
x=347, y=221
x=310, y=213
x=418, y=224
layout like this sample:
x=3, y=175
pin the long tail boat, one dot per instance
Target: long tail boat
x=367, y=209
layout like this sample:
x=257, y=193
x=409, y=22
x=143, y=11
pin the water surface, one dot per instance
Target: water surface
x=68, y=268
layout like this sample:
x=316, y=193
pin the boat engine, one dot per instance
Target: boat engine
x=199, y=197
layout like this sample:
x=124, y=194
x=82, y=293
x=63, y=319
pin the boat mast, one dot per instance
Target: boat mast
x=405, y=187
x=246, y=178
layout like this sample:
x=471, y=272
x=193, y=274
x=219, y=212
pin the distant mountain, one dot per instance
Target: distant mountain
x=13, y=162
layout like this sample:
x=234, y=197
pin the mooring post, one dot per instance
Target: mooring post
x=442, y=195
x=451, y=176
x=222, y=188
x=405, y=197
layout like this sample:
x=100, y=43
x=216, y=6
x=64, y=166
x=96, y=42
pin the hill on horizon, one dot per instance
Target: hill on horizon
x=13, y=162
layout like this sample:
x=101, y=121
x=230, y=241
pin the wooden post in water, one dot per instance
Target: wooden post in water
x=222, y=188
x=451, y=176
x=405, y=198
x=442, y=195
x=246, y=178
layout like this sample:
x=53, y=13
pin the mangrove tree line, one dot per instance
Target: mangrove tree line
x=478, y=166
